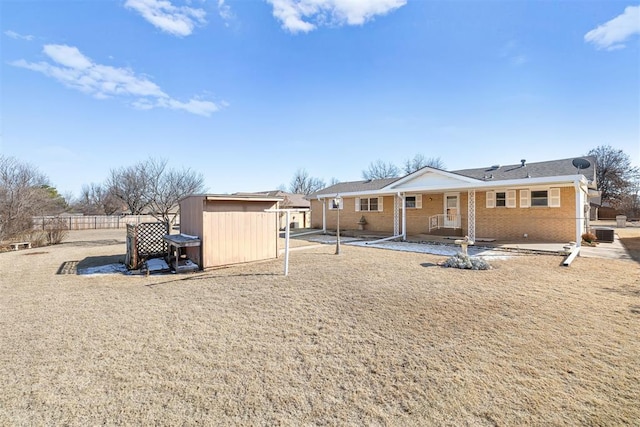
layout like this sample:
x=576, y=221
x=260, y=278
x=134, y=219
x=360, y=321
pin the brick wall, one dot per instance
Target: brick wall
x=539, y=223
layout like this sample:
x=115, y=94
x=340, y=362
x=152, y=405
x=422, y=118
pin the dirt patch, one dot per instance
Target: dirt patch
x=370, y=337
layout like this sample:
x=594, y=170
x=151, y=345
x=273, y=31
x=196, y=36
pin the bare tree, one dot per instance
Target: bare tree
x=334, y=181
x=98, y=199
x=302, y=183
x=380, y=170
x=23, y=194
x=630, y=203
x=168, y=186
x=152, y=187
x=131, y=185
x=419, y=161
x=614, y=173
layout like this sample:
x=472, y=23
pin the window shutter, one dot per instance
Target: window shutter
x=357, y=204
x=525, y=198
x=418, y=201
x=380, y=199
x=491, y=199
x=554, y=197
x=511, y=198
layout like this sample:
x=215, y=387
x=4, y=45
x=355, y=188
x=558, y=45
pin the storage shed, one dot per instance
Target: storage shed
x=232, y=229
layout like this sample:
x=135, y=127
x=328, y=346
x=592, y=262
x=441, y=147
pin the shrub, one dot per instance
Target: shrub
x=55, y=230
x=589, y=237
x=37, y=238
x=463, y=261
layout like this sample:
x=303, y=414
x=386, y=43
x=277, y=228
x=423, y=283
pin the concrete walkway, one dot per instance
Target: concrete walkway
x=614, y=250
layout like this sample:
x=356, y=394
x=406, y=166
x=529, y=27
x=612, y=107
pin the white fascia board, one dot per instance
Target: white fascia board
x=558, y=181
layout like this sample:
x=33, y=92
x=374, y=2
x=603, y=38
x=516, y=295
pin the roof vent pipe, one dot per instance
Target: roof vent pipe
x=524, y=162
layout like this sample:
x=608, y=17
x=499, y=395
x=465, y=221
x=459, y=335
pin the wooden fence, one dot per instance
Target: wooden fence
x=92, y=222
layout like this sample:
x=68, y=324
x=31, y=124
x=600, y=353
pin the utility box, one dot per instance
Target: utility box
x=621, y=221
x=232, y=229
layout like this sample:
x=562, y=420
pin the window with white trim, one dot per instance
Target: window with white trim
x=370, y=204
x=501, y=199
x=540, y=198
x=413, y=202
x=333, y=205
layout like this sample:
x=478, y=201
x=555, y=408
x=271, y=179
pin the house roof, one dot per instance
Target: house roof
x=354, y=186
x=291, y=200
x=539, y=170
x=531, y=170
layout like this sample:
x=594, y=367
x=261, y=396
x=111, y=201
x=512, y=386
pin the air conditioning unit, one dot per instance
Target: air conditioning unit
x=604, y=234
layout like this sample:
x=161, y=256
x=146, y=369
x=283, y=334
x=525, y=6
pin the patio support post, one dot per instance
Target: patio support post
x=324, y=216
x=580, y=214
x=471, y=215
x=404, y=216
x=396, y=215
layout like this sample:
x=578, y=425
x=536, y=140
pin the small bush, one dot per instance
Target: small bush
x=37, y=238
x=463, y=261
x=55, y=230
x=589, y=238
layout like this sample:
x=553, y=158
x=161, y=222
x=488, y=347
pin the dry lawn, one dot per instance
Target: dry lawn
x=370, y=337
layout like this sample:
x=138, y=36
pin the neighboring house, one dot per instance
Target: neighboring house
x=300, y=219
x=543, y=202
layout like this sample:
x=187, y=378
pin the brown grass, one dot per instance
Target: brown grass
x=630, y=239
x=370, y=337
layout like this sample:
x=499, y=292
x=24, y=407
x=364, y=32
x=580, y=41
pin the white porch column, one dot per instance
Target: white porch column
x=580, y=214
x=324, y=216
x=471, y=215
x=396, y=216
x=404, y=216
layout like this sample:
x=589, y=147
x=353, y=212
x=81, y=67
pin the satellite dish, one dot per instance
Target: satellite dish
x=581, y=163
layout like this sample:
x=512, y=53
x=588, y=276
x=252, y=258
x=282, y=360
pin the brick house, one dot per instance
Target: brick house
x=541, y=202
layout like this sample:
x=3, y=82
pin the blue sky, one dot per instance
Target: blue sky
x=247, y=92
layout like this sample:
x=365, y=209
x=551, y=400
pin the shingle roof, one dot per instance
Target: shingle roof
x=291, y=200
x=549, y=168
x=531, y=170
x=353, y=186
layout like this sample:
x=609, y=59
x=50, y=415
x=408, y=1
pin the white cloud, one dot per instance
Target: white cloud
x=305, y=15
x=175, y=20
x=71, y=68
x=612, y=34
x=17, y=36
x=224, y=11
